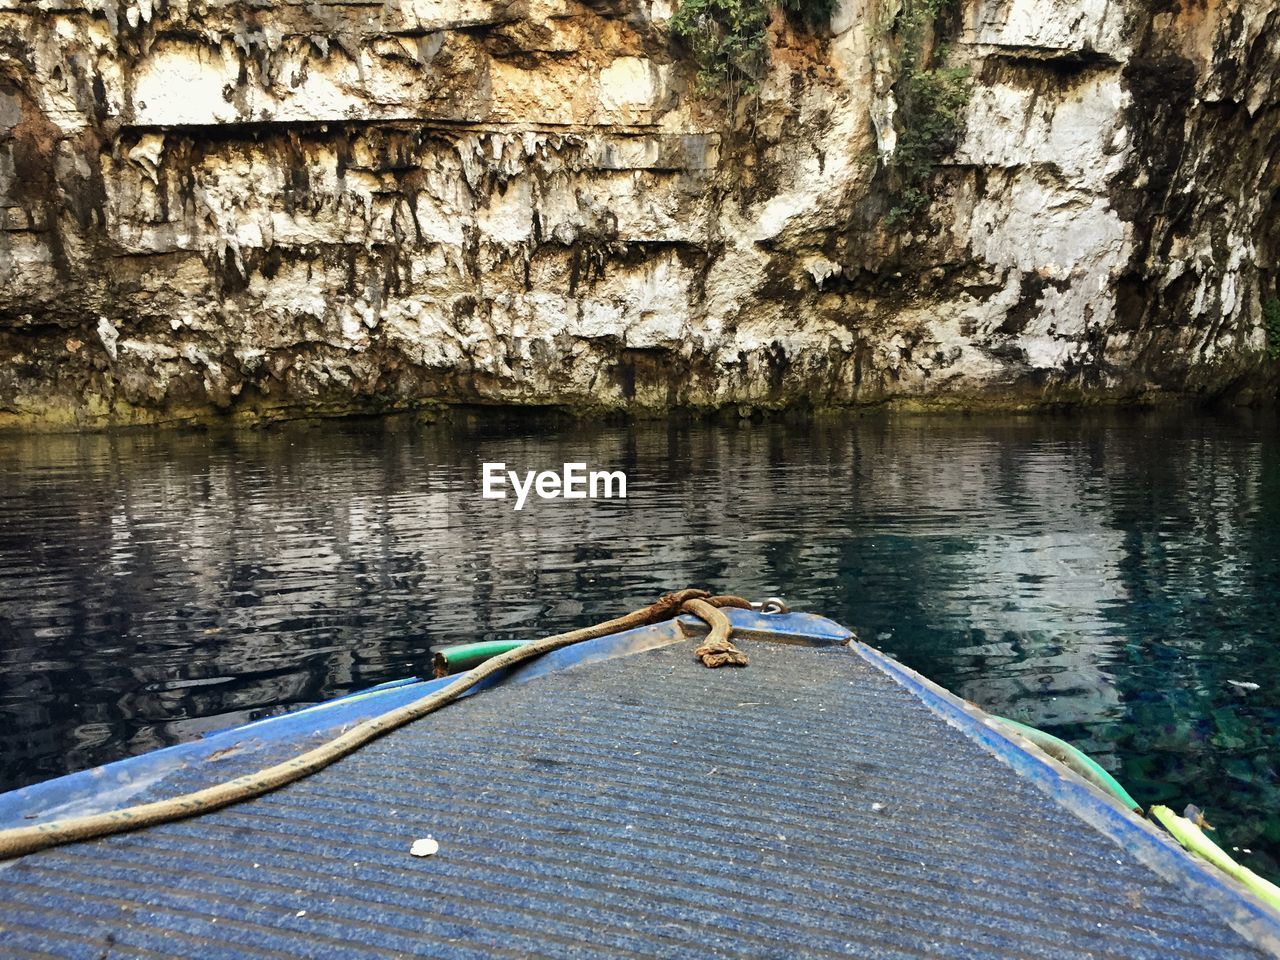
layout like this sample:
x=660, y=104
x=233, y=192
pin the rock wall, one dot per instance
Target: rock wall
x=276, y=207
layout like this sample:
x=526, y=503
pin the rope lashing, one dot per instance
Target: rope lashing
x=19, y=841
x=717, y=650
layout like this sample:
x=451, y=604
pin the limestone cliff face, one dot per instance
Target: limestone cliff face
x=266, y=207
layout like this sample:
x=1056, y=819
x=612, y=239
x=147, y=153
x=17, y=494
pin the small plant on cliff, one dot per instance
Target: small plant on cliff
x=931, y=107
x=1271, y=324
x=729, y=41
x=811, y=14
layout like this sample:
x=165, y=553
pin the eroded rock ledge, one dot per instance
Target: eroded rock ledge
x=265, y=208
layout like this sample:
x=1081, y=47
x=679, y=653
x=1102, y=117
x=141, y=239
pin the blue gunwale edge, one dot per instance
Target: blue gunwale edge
x=1248, y=915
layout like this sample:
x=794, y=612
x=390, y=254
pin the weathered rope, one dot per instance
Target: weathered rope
x=717, y=650
x=23, y=840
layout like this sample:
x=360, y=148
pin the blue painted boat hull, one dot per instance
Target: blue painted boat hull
x=618, y=799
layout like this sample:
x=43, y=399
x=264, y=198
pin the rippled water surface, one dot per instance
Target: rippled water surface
x=1102, y=578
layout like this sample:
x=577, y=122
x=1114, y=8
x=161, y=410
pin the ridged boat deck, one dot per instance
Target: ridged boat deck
x=619, y=799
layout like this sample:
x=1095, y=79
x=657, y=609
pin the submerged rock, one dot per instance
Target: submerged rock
x=275, y=208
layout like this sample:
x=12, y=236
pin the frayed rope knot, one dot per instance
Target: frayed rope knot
x=717, y=650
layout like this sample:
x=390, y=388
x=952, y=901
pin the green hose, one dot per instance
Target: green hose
x=1193, y=839
x=467, y=655
x=1076, y=760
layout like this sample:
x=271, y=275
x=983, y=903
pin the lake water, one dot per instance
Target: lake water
x=1103, y=578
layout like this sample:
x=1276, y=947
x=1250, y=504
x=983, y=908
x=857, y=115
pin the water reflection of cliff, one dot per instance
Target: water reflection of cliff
x=1100, y=577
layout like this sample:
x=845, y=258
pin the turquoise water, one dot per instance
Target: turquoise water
x=1104, y=578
